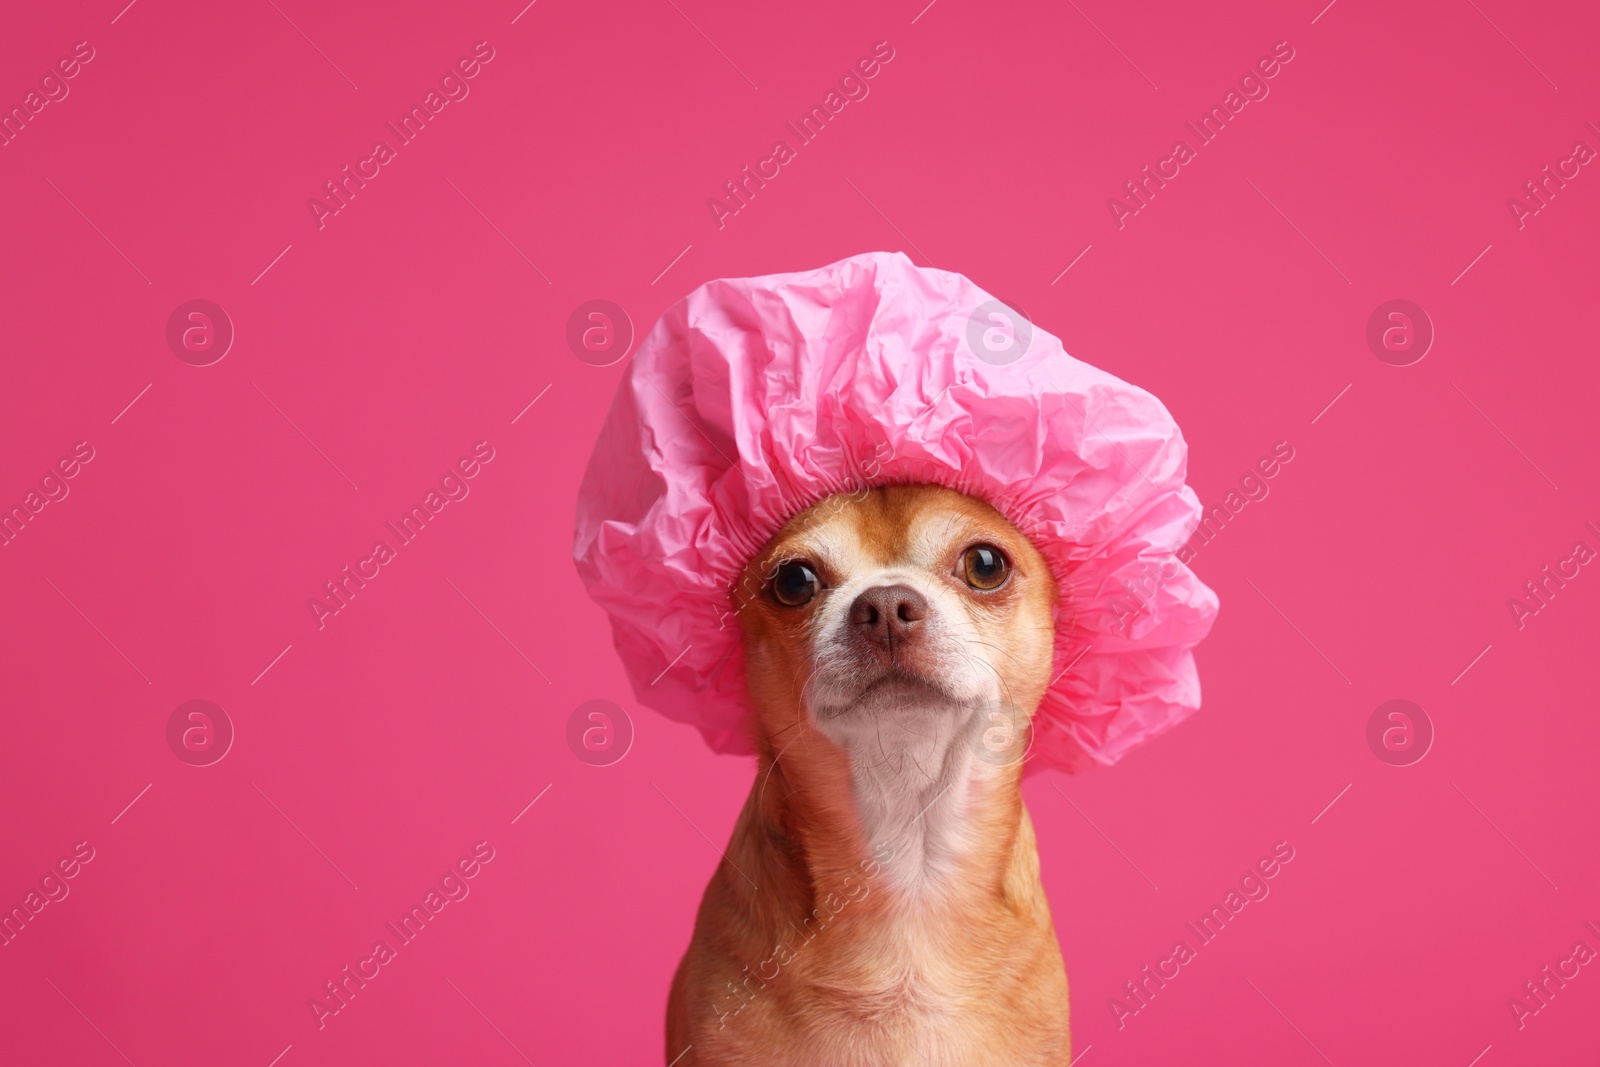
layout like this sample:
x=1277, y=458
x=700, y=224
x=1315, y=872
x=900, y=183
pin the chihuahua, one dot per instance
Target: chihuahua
x=880, y=901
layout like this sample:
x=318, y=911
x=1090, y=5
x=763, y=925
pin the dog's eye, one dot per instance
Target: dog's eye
x=795, y=583
x=984, y=567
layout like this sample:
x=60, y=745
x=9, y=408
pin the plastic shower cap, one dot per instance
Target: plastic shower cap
x=754, y=398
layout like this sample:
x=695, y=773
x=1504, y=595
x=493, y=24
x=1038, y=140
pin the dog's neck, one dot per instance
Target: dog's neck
x=907, y=796
x=919, y=791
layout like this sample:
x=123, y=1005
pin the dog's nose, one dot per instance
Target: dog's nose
x=887, y=615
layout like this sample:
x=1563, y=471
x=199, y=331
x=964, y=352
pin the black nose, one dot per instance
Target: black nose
x=887, y=615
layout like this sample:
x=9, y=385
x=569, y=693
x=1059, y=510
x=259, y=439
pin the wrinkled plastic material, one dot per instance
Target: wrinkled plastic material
x=754, y=398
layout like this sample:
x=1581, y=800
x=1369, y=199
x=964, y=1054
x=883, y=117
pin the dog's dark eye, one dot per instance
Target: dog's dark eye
x=984, y=567
x=795, y=583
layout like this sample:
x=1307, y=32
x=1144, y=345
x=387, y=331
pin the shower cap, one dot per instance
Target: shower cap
x=754, y=398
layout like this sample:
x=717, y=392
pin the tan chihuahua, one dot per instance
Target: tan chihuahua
x=880, y=901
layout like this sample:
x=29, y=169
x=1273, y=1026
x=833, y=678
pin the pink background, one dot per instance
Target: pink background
x=408, y=328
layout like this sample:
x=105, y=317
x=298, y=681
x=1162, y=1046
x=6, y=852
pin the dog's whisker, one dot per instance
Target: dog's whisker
x=774, y=766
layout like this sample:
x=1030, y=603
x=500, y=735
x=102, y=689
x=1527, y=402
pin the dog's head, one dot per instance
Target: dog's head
x=906, y=609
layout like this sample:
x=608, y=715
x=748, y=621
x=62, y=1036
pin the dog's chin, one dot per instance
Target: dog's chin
x=893, y=691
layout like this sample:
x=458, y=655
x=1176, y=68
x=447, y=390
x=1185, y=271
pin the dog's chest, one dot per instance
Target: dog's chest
x=897, y=989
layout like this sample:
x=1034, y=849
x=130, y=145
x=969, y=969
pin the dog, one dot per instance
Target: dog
x=880, y=900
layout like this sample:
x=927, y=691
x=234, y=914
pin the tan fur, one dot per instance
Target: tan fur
x=812, y=945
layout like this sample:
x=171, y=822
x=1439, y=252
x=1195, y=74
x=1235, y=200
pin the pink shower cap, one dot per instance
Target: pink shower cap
x=754, y=398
